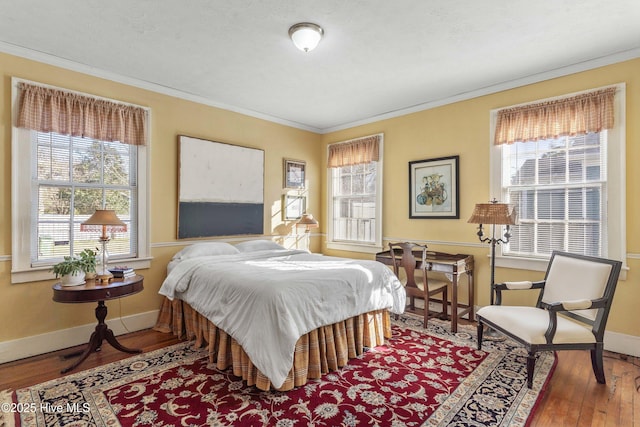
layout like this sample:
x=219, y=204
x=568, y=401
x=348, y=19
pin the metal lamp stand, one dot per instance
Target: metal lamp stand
x=491, y=333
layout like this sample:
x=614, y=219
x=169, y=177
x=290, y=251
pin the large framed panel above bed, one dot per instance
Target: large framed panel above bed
x=220, y=189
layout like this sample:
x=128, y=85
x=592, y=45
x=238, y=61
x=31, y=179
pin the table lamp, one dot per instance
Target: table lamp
x=308, y=221
x=104, y=220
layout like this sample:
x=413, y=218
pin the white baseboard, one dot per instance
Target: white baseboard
x=64, y=338
x=621, y=343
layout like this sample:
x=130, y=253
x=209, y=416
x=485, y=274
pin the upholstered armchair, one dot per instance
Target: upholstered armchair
x=571, y=312
x=417, y=285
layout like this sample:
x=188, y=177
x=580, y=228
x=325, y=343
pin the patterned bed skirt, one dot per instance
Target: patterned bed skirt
x=322, y=350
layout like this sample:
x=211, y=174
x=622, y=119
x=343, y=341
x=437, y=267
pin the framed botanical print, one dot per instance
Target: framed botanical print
x=433, y=188
x=294, y=174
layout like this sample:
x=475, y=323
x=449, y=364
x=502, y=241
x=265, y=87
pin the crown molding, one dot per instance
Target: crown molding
x=165, y=90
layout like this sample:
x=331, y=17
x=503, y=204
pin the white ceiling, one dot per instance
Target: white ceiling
x=378, y=58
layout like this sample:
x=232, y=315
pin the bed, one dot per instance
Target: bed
x=277, y=316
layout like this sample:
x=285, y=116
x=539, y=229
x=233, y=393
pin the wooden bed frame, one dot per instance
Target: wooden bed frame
x=322, y=350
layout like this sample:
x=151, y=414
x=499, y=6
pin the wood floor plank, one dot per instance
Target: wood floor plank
x=614, y=405
x=626, y=399
x=580, y=375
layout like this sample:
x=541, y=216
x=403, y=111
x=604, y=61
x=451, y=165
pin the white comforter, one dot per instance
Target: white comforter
x=266, y=300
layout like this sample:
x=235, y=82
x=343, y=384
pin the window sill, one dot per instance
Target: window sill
x=354, y=247
x=521, y=263
x=39, y=274
x=537, y=264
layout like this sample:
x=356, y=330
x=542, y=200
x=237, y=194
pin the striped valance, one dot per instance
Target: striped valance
x=354, y=152
x=47, y=109
x=577, y=115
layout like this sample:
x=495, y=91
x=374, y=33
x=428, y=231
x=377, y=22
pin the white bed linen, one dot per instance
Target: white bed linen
x=267, y=300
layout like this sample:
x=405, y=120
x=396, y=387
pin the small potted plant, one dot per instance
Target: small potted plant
x=72, y=270
x=88, y=260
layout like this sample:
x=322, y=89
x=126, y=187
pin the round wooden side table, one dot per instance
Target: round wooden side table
x=92, y=291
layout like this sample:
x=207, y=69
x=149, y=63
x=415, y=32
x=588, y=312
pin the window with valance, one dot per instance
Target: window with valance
x=355, y=194
x=83, y=153
x=561, y=162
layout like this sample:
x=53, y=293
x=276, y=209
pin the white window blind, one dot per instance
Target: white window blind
x=560, y=189
x=354, y=203
x=75, y=176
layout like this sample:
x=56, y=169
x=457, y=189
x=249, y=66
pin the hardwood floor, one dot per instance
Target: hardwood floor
x=44, y=367
x=573, y=397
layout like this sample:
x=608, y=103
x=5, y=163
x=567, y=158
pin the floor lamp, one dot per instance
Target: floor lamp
x=308, y=221
x=493, y=213
x=106, y=221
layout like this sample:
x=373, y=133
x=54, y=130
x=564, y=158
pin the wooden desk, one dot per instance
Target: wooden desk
x=452, y=266
x=92, y=291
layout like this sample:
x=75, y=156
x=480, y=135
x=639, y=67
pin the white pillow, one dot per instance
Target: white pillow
x=258, y=245
x=206, y=249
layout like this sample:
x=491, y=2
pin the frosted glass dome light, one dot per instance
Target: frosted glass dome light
x=306, y=35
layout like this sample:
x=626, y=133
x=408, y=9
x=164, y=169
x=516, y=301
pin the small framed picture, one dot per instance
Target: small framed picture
x=293, y=206
x=294, y=173
x=434, y=190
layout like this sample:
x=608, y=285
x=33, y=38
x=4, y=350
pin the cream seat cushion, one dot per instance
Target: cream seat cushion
x=531, y=323
x=434, y=283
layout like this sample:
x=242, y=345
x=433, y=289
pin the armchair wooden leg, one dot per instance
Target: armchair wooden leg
x=480, y=331
x=531, y=363
x=597, y=363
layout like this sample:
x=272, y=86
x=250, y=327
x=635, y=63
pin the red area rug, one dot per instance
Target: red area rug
x=421, y=378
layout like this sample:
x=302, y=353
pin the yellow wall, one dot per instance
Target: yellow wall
x=27, y=309
x=462, y=129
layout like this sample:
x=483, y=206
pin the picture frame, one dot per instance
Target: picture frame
x=237, y=206
x=294, y=174
x=293, y=206
x=434, y=190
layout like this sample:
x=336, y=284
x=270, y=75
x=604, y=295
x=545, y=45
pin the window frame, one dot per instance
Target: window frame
x=370, y=248
x=22, y=220
x=616, y=184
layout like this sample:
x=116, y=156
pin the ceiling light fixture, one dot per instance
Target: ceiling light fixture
x=306, y=35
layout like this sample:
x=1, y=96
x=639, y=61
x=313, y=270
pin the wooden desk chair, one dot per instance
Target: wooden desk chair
x=578, y=288
x=417, y=285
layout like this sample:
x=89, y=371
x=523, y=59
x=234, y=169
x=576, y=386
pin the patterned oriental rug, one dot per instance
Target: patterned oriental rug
x=420, y=378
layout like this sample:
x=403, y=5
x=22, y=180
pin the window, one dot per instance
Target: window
x=59, y=180
x=355, y=195
x=568, y=192
x=74, y=177
x=559, y=187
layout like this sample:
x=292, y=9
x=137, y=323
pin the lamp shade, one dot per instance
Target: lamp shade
x=308, y=220
x=494, y=213
x=104, y=220
x=306, y=35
